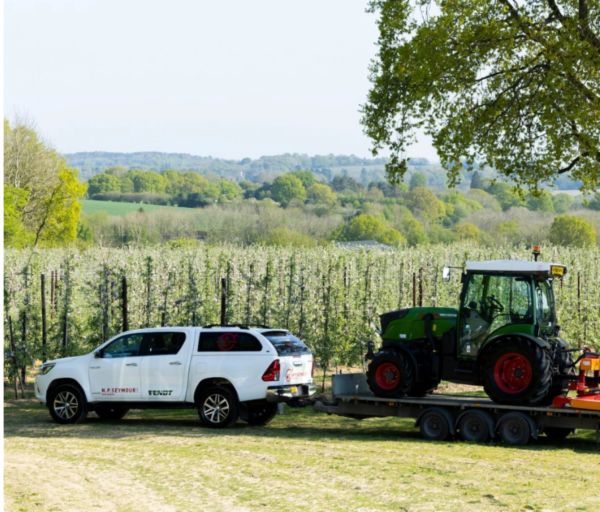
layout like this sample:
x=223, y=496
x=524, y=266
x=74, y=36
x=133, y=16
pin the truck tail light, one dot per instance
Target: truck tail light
x=272, y=372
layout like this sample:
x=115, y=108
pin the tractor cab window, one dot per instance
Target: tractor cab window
x=490, y=302
x=544, y=298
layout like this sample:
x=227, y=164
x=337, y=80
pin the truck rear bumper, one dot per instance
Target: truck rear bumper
x=291, y=393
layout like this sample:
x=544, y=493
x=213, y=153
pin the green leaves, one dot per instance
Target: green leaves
x=41, y=193
x=510, y=84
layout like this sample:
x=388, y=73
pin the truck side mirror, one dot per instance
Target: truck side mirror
x=446, y=274
x=98, y=354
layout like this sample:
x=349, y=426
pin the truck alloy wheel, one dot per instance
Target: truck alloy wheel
x=67, y=404
x=217, y=407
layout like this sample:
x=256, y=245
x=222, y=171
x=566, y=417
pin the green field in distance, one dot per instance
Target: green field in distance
x=115, y=208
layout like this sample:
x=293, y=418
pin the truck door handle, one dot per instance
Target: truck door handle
x=175, y=363
x=94, y=367
x=131, y=364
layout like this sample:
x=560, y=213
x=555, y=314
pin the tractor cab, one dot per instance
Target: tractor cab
x=505, y=297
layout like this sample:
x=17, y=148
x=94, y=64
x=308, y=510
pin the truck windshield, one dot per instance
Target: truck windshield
x=286, y=343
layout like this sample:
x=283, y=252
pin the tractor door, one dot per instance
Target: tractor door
x=492, y=303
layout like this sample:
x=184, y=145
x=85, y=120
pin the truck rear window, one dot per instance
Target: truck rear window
x=226, y=341
x=286, y=343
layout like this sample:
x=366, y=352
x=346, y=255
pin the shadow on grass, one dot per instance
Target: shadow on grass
x=27, y=418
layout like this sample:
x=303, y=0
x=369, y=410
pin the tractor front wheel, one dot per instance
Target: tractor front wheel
x=390, y=374
x=516, y=371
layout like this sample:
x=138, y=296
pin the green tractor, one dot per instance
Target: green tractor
x=504, y=336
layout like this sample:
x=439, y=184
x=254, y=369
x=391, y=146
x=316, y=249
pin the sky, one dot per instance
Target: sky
x=230, y=79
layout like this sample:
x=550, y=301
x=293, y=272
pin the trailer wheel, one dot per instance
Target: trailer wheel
x=390, y=374
x=557, y=434
x=475, y=426
x=514, y=428
x=435, y=424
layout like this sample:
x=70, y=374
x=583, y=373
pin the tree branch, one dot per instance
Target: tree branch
x=555, y=10
x=570, y=166
x=584, y=27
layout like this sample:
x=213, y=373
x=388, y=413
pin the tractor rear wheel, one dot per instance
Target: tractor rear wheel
x=516, y=371
x=390, y=374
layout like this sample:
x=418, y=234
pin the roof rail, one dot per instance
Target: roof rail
x=240, y=326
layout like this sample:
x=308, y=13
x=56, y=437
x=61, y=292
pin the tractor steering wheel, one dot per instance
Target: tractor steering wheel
x=494, y=303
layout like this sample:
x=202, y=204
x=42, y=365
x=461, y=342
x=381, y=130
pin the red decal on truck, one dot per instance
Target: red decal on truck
x=114, y=391
x=291, y=374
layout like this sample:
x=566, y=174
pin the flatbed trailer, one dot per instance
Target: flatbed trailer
x=442, y=416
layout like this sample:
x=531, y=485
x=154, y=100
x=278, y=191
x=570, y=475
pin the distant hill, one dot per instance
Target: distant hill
x=266, y=168
x=261, y=169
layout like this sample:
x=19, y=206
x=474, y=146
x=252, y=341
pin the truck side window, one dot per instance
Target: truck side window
x=221, y=341
x=125, y=346
x=162, y=343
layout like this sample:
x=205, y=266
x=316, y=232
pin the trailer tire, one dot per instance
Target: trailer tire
x=515, y=429
x=475, y=426
x=390, y=374
x=435, y=424
x=517, y=371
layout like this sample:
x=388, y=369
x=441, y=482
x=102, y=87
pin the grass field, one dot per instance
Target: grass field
x=302, y=461
x=117, y=209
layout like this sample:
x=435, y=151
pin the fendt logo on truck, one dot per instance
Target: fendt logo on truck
x=160, y=392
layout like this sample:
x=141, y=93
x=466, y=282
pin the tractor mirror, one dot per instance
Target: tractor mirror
x=446, y=274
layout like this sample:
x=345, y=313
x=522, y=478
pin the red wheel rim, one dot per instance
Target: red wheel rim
x=513, y=373
x=387, y=376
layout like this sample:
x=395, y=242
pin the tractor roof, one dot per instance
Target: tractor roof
x=539, y=268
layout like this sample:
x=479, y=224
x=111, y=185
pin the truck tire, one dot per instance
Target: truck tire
x=516, y=371
x=217, y=407
x=260, y=413
x=390, y=374
x=110, y=412
x=66, y=403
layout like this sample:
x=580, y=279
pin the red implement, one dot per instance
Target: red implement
x=587, y=385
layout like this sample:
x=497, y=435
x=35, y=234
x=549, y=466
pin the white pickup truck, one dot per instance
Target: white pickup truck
x=226, y=372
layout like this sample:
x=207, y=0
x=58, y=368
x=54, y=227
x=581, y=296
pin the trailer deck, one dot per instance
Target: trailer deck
x=441, y=416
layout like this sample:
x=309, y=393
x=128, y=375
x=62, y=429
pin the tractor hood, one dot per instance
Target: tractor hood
x=409, y=324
